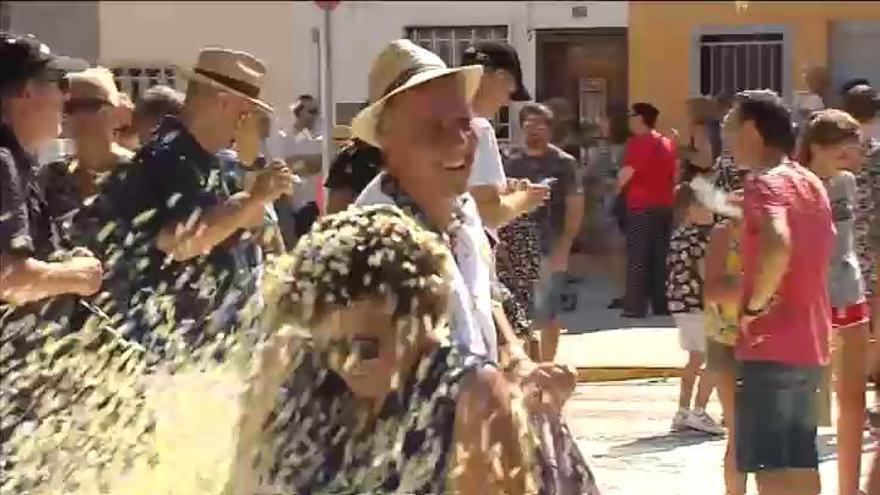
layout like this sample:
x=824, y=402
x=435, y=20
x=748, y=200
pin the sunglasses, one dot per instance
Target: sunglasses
x=312, y=111
x=84, y=105
x=361, y=349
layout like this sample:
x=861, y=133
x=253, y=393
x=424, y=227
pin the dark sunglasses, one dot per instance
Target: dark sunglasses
x=85, y=105
x=347, y=352
x=312, y=111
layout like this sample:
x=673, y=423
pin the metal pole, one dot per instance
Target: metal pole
x=327, y=106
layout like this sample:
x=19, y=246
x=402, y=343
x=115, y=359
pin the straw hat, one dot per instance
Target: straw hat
x=94, y=83
x=403, y=65
x=239, y=73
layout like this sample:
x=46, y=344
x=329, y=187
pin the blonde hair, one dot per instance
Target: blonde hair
x=827, y=128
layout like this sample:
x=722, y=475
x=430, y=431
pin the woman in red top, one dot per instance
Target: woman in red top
x=648, y=179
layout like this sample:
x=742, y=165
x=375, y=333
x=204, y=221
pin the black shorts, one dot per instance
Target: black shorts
x=776, y=416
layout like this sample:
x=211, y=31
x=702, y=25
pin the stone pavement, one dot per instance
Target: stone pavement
x=623, y=429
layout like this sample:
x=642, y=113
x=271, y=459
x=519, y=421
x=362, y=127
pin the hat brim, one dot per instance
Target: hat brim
x=66, y=64
x=363, y=126
x=195, y=76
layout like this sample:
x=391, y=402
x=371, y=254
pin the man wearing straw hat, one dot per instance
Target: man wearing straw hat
x=189, y=226
x=420, y=118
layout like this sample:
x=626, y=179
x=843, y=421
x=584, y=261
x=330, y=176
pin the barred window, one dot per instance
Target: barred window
x=136, y=80
x=736, y=62
x=451, y=42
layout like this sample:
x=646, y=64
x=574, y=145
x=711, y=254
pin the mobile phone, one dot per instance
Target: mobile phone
x=549, y=181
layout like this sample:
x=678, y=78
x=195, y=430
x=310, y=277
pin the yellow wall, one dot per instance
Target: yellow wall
x=660, y=35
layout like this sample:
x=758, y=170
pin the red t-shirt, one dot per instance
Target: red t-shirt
x=653, y=160
x=795, y=330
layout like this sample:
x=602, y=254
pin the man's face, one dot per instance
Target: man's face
x=742, y=139
x=309, y=113
x=43, y=101
x=496, y=86
x=233, y=112
x=637, y=125
x=428, y=137
x=538, y=131
x=90, y=120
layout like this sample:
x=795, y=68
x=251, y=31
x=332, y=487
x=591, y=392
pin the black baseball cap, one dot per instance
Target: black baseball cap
x=24, y=56
x=498, y=55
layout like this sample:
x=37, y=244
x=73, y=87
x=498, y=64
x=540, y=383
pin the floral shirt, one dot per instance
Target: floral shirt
x=867, y=201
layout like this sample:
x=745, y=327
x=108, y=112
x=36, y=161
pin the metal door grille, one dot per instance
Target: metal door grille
x=451, y=42
x=735, y=62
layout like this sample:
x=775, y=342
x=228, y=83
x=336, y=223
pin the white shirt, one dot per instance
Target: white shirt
x=286, y=145
x=488, y=169
x=470, y=305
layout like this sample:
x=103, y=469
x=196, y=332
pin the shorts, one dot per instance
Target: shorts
x=850, y=315
x=691, y=331
x=777, y=414
x=720, y=358
x=547, y=297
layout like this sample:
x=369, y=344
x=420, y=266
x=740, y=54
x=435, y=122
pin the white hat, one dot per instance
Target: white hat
x=94, y=82
x=237, y=72
x=403, y=65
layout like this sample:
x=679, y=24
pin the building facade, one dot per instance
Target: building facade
x=545, y=34
x=717, y=48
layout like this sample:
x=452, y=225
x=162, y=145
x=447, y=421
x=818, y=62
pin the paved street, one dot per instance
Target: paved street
x=623, y=428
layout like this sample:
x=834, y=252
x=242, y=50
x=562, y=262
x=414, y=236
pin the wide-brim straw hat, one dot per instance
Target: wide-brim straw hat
x=236, y=72
x=403, y=65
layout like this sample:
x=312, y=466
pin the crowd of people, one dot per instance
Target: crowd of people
x=404, y=341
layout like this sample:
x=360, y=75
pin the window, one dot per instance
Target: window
x=451, y=42
x=735, y=62
x=136, y=80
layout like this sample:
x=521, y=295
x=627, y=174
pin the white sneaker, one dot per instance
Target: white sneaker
x=701, y=421
x=679, y=422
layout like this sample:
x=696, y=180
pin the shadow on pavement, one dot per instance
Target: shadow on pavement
x=827, y=445
x=592, y=293
x=660, y=443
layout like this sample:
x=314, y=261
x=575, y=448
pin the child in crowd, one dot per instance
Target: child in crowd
x=684, y=290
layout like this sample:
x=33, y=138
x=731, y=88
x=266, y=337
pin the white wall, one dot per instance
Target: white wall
x=361, y=30
x=169, y=32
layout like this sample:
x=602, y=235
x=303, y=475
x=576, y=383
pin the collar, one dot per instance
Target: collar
x=173, y=132
x=10, y=141
x=390, y=186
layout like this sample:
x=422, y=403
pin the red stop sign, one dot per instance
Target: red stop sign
x=328, y=5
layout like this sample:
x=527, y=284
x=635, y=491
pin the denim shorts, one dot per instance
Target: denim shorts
x=776, y=416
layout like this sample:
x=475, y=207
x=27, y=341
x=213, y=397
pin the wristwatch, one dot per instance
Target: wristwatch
x=753, y=313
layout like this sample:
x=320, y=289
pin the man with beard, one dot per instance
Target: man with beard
x=559, y=220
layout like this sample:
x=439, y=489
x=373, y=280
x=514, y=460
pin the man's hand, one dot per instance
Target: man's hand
x=536, y=196
x=547, y=386
x=90, y=273
x=274, y=182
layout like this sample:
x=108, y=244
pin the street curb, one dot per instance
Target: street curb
x=615, y=374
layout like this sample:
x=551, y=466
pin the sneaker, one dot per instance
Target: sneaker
x=703, y=422
x=679, y=421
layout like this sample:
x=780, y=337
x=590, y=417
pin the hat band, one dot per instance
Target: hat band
x=242, y=87
x=406, y=76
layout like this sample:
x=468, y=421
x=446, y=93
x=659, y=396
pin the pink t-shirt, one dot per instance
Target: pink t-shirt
x=795, y=330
